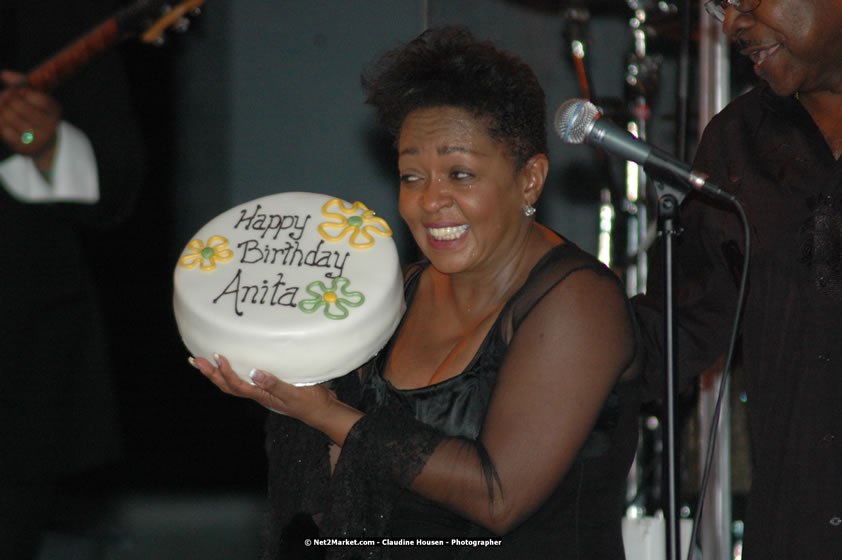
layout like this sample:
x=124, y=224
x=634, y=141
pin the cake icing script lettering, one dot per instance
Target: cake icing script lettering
x=242, y=290
x=257, y=294
x=267, y=223
x=292, y=255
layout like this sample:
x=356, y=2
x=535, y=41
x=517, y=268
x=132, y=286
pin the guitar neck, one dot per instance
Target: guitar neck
x=52, y=72
x=147, y=18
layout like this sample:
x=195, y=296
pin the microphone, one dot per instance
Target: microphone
x=578, y=121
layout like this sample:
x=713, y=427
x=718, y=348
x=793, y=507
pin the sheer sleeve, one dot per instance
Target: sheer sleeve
x=565, y=356
x=298, y=482
x=384, y=451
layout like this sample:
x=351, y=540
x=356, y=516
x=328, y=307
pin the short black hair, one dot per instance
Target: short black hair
x=449, y=67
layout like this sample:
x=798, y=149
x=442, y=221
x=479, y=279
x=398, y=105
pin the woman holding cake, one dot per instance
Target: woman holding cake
x=500, y=420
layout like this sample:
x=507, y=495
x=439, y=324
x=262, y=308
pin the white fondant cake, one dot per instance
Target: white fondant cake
x=302, y=285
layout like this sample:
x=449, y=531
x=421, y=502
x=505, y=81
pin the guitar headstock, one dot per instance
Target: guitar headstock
x=149, y=19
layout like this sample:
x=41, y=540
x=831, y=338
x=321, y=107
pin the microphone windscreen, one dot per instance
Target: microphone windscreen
x=573, y=120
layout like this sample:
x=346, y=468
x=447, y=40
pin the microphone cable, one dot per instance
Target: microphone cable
x=723, y=380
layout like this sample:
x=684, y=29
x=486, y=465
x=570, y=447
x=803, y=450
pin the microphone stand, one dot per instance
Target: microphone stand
x=669, y=199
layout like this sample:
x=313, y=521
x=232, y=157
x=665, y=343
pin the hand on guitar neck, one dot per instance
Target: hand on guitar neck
x=29, y=115
x=28, y=120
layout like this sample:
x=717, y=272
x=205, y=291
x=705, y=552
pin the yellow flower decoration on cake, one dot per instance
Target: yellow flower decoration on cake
x=357, y=220
x=206, y=256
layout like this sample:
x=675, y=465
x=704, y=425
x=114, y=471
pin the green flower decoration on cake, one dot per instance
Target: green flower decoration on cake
x=357, y=220
x=206, y=256
x=336, y=299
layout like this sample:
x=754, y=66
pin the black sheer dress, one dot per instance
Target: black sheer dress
x=368, y=496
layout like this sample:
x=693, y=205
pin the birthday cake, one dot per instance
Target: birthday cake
x=304, y=286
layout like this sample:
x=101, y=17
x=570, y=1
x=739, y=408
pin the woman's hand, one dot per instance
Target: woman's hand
x=315, y=405
x=28, y=120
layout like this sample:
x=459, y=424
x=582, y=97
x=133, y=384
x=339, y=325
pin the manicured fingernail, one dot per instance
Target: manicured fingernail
x=216, y=359
x=192, y=362
x=257, y=376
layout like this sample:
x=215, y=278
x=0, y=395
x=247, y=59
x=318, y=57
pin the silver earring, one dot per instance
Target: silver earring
x=528, y=210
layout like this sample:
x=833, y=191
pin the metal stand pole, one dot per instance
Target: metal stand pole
x=715, y=524
x=667, y=219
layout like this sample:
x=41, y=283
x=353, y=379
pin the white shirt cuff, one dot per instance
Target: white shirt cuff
x=74, y=176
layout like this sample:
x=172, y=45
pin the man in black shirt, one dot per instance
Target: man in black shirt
x=777, y=149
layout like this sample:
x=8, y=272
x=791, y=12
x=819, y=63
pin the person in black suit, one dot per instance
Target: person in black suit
x=70, y=162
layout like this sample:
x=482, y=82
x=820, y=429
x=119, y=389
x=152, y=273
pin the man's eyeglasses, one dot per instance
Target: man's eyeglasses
x=717, y=8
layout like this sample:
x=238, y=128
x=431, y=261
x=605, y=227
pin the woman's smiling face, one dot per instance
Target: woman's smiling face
x=461, y=194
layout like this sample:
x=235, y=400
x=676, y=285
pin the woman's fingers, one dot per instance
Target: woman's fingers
x=220, y=373
x=263, y=388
